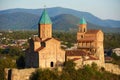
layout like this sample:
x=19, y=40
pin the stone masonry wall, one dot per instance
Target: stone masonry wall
x=18, y=74
x=112, y=68
x=24, y=74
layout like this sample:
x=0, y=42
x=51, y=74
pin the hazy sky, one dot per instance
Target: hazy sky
x=104, y=9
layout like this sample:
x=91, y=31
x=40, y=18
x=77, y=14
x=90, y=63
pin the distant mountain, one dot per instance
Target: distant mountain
x=58, y=11
x=62, y=18
x=113, y=23
x=27, y=21
x=18, y=20
x=70, y=23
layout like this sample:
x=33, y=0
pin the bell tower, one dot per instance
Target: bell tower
x=83, y=25
x=44, y=26
x=82, y=29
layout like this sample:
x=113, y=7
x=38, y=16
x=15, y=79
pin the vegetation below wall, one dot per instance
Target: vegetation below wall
x=116, y=59
x=12, y=57
x=111, y=41
x=70, y=73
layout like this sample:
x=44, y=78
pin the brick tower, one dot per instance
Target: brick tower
x=44, y=26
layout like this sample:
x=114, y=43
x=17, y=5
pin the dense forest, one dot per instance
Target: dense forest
x=13, y=57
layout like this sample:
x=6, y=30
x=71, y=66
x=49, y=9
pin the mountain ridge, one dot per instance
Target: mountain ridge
x=54, y=11
x=28, y=18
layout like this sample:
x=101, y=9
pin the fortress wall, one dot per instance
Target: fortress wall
x=112, y=68
x=18, y=74
x=98, y=62
x=24, y=74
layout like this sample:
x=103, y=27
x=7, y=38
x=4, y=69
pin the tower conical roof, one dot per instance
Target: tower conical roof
x=45, y=19
x=82, y=21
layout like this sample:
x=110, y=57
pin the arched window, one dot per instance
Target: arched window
x=9, y=74
x=84, y=30
x=81, y=36
x=43, y=44
x=51, y=64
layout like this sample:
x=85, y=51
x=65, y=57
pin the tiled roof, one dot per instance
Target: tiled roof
x=40, y=49
x=108, y=58
x=36, y=39
x=46, y=39
x=92, y=31
x=75, y=53
x=57, y=39
x=75, y=59
x=92, y=58
x=49, y=39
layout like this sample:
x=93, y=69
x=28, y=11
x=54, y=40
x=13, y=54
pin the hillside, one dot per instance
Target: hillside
x=18, y=20
x=27, y=21
x=69, y=22
x=55, y=11
x=62, y=18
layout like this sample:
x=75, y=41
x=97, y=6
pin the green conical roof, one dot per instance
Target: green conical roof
x=45, y=19
x=82, y=21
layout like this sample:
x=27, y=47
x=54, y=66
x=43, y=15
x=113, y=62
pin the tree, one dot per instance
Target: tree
x=20, y=62
x=6, y=62
x=65, y=76
x=116, y=59
x=14, y=51
x=69, y=65
x=45, y=74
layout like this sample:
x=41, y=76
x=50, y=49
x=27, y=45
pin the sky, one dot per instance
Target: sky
x=104, y=9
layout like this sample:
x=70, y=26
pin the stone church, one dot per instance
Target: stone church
x=44, y=50
x=89, y=46
x=90, y=41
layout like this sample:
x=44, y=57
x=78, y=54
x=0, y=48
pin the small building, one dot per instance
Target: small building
x=108, y=59
x=116, y=51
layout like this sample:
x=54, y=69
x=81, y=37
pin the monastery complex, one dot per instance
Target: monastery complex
x=45, y=51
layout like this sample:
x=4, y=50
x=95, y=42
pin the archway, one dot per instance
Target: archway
x=51, y=64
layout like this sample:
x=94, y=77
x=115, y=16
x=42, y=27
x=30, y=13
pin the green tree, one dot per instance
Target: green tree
x=69, y=66
x=65, y=76
x=6, y=62
x=14, y=51
x=44, y=75
x=116, y=59
x=20, y=62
